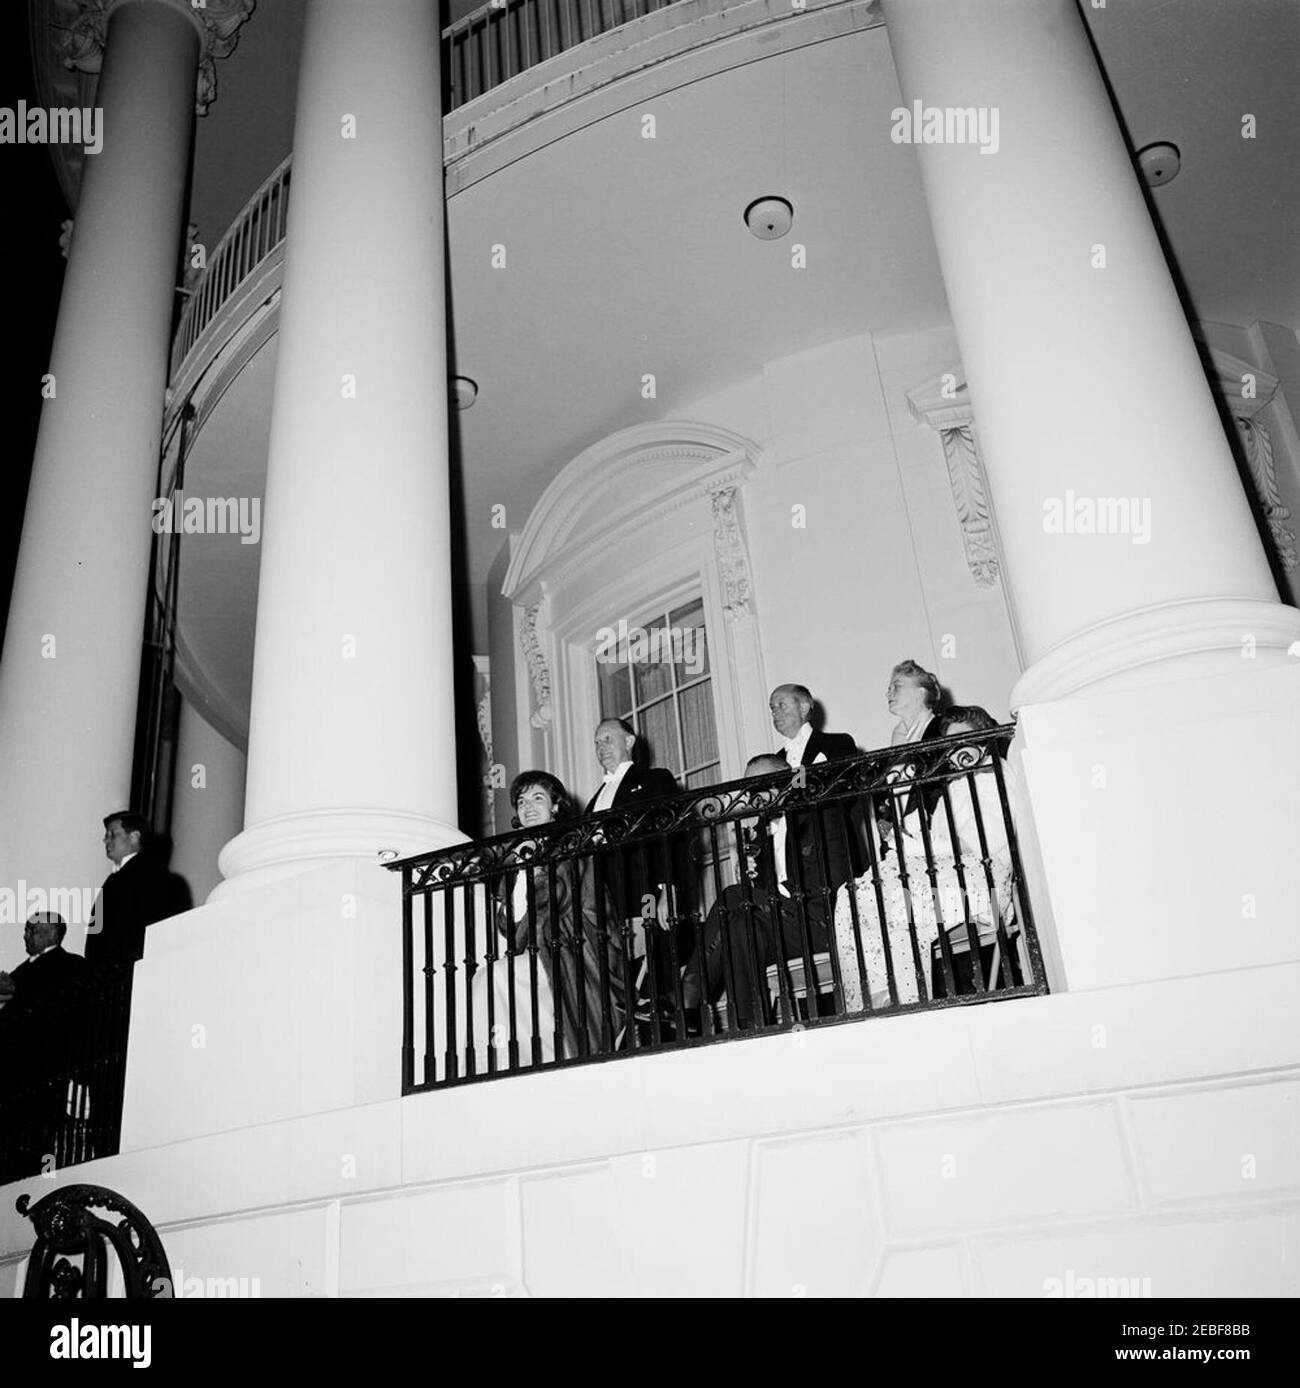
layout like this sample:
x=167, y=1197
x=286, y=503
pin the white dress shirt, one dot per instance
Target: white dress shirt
x=796, y=745
x=913, y=733
x=613, y=779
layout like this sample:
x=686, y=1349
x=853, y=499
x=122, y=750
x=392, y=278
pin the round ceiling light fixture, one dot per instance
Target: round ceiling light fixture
x=769, y=218
x=463, y=392
x=1159, y=163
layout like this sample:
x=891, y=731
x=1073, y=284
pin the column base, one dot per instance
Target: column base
x=1174, y=641
x=292, y=844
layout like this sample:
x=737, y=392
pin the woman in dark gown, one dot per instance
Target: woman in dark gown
x=588, y=1007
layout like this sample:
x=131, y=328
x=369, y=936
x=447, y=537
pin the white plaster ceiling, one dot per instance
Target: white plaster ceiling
x=627, y=256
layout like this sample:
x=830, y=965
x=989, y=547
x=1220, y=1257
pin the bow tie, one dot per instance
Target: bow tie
x=610, y=776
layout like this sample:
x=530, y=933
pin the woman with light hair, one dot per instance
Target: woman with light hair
x=966, y=876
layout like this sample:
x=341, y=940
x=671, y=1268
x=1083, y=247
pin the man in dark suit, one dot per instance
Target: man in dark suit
x=782, y=909
x=139, y=891
x=625, y=781
x=42, y=1047
x=647, y=884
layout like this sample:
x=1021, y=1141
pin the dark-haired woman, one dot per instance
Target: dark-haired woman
x=568, y=944
x=908, y=882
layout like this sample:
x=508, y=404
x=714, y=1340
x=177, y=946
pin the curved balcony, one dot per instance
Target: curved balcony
x=488, y=108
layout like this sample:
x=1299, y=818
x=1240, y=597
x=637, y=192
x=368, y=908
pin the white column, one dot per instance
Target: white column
x=351, y=740
x=71, y=666
x=207, y=800
x=1057, y=285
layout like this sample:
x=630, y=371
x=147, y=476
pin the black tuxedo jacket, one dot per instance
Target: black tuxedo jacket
x=43, y=1026
x=46, y=980
x=640, y=783
x=137, y=894
x=832, y=746
x=635, y=872
x=843, y=842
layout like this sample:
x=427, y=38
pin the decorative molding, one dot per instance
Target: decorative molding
x=1175, y=640
x=732, y=555
x=943, y=403
x=1263, y=473
x=83, y=35
x=970, y=494
x=1246, y=392
x=483, y=717
x=572, y=523
x=1232, y=377
x=539, y=670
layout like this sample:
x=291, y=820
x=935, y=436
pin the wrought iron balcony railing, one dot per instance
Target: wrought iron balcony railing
x=62, y=1069
x=480, y=52
x=883, y=883
x=507, y=37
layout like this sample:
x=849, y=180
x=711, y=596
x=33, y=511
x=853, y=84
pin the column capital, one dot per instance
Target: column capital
x=83, y=34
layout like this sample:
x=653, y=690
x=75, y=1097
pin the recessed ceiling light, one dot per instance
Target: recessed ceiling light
x=463, y=392
x=1159, y=163
x=769, y=218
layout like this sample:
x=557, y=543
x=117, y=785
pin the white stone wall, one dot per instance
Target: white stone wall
x=1147, y=1135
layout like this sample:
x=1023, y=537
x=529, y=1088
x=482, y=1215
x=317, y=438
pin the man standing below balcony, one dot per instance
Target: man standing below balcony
x=139, y=891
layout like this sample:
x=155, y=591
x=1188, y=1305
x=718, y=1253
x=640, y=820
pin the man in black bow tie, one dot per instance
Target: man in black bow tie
x=139, y=891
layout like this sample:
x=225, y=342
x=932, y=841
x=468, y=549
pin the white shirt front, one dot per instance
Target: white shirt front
x=778, y=829
x=613, y=779
x=796, y=745
x=117, y=867
x=913, y=734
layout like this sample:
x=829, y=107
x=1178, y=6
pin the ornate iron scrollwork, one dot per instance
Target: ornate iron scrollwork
x=75, y=1230
x=863, y=775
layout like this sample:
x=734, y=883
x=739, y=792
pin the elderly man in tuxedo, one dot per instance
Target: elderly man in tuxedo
x=791, y=708
x=43, y=1046
x=139, y=891
x=781, y=909
x=648, y=885
x=625, y=781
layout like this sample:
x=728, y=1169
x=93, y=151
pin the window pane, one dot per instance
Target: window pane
x=615, y=689
x=652, y=662
x=694, y=649
x=699, y=733
x=705, y=776
x=658, y=725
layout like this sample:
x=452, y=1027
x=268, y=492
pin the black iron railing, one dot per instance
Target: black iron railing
x=62, y=1069
x=882, y=883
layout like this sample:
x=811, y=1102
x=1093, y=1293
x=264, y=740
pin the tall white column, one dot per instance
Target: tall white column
x=207, y=800
x=1058, y=288
x=69, y=677
x=351, y=740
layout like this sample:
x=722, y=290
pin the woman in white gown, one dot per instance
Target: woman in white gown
x=909, y=881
